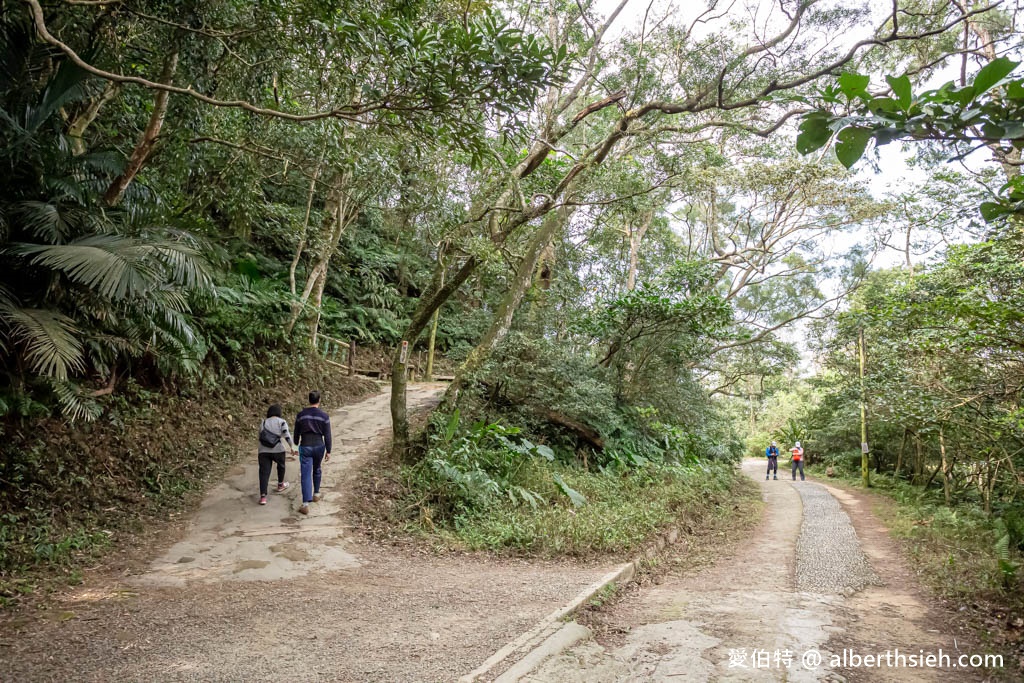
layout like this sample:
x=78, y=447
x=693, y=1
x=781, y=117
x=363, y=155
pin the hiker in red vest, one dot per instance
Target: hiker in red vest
x=797, y=460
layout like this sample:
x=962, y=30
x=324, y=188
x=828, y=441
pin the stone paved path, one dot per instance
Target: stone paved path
x=803, y=584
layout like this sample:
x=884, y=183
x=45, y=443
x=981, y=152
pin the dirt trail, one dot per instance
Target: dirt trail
x=712, y=624
x=254, y=593
x=231, y=539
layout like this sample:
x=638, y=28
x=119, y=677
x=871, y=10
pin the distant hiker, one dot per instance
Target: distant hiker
x=772, y=453
x=313, y=428
x=273, y=436
x=798, y=460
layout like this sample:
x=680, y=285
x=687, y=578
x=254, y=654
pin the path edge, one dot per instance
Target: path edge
x=536, y=637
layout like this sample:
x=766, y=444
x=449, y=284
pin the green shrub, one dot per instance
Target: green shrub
x=489, y=488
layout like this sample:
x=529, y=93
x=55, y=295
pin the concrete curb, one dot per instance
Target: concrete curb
x=549, y=636
x=561, y=640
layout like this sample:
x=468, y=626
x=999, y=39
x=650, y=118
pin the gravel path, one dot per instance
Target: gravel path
x=829, y=558
x=263, y=595
x=800, y=584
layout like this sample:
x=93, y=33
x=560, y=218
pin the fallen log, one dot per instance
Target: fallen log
x=584, y=431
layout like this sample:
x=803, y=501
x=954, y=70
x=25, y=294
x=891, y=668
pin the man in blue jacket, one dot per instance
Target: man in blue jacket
x=313, y=429
x=772, y=453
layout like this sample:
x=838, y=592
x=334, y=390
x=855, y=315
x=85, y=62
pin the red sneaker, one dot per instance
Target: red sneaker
x=263, y=500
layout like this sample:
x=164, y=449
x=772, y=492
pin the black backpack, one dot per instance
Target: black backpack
x=267, y=437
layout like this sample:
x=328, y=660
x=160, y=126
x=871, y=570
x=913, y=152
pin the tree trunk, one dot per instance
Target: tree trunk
x=314, y=325
x=946, y=466
x=918, y=460
x=899, y=457
x=433, y=326
x=339, y=212
x=584, y=431
x=635, y=239
x=502, y=322
x=78, y=125
x=428, y=303
x=865, y=449
x=305, y=227
x=144, y=147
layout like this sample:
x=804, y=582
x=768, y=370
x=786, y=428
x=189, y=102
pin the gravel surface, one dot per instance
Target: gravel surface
x=401, y=617
x=829, y=558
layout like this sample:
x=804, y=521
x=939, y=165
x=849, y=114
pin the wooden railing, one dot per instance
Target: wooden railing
x=337, y=352
x=340, y=353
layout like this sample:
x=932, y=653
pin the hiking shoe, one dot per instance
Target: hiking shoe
x=775, y=478
x=317, y=497
x=281, y=487
x=263, y=500
x=304, y=510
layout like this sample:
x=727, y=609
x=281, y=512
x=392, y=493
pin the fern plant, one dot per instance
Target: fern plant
x=1007, y=567
x=479, y=466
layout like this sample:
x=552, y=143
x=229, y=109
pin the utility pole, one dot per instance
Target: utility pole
x=865, y=473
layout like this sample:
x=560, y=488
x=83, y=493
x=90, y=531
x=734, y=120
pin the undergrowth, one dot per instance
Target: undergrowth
x=487, y=487
x=621, y=512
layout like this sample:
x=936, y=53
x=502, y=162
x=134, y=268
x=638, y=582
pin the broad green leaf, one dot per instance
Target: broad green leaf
x=1012, y=130
x=901, y=89
x=992, y=73
x=886, y=107
x=577, y=498
x=853, y=84
x=992, y=130
x=991, y=210
x=883, y=136
x=851, y=144
x=544, y=452
x=814, y=133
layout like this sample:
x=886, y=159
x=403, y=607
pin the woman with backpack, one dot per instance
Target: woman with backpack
x=273, y=436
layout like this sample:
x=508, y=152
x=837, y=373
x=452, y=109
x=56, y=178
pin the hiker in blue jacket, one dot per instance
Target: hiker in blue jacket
x=772, y=453
x=313, y=428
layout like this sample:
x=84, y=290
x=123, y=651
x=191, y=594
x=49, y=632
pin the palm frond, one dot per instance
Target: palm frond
x=46, y=221
x=113, y=267
x=66, y=188
x=105, y=162
x=75, y=402
x=66, y=85
x=52, y=347
x=185, y=265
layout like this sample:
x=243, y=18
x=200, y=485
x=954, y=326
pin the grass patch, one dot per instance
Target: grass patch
x=622, y=510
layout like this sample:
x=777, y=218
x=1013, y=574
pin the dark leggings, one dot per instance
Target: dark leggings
x=798, y=464
x=267, y=461
x=773, y=464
